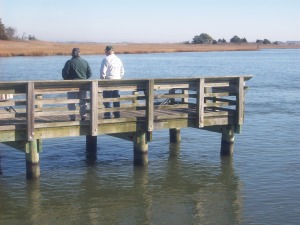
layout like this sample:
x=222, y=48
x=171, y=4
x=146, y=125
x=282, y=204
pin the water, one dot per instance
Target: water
x=186, y=183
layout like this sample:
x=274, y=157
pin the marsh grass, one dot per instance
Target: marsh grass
x=41, y=48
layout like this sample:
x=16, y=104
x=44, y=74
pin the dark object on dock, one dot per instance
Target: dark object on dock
x=10, y=109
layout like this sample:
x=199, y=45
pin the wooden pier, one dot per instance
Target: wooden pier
x=38, y=110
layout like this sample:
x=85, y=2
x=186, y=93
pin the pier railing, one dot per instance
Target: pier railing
x=34, y=110
x=145, y=104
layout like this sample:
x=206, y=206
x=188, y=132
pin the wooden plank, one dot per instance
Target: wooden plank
x=30, y=111
x=220, y=94
x=217, y=84
x=171, y=86
x=56, y=113
x=159, y=96
x=215, y=99
x=47, y=101
x=168, y=107
x=94, y=108
x=123, y=108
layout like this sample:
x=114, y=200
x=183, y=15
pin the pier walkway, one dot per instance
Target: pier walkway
x=38, y=110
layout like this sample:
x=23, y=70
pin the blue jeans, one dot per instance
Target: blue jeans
x=111, y=94
x=83, y=105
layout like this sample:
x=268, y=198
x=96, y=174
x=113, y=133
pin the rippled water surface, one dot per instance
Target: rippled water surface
x=186, y=183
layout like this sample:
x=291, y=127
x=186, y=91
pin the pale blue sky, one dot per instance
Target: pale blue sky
x=152, y=20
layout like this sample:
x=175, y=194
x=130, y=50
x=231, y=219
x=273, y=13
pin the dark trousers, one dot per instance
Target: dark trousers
x=111, y=94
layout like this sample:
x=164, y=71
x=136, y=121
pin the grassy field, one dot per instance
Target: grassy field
x=41, y=48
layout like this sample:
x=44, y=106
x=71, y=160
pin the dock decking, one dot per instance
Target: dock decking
x=38, y=110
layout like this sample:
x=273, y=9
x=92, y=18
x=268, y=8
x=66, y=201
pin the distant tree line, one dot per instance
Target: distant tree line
x=10, y=33
x=207, y=39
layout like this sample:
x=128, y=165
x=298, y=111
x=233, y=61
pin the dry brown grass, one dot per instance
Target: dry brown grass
x=41, y=48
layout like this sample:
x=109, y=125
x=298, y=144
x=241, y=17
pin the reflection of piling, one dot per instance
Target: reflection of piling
x=34, y=200
x=174, y=151
x=143, y=195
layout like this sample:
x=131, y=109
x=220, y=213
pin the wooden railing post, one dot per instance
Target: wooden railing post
x=200, y=102
x=135, y=101
x=150, y=104
x=32, y=146
x=185, y=100
x=30, y=111
x=91, y=140
x=172, y=100
x=240, y=101
x=239, y=104
x=39, y=105
x=94, y=108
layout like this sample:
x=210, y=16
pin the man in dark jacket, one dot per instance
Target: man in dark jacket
x=77, y=69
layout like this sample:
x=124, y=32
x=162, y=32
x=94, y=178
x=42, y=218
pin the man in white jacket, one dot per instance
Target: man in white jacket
x=111, y=68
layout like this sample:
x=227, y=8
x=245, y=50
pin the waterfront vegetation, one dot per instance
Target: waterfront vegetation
x=42, y=48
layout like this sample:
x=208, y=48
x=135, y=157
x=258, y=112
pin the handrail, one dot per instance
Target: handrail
x=40, y=103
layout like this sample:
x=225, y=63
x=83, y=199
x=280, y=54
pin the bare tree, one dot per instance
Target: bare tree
x=10, y=32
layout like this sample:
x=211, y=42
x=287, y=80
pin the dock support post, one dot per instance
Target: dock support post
x=227, y=142
x=141, y=149
x=175, y=135
x=32, y=160
x=91, y=148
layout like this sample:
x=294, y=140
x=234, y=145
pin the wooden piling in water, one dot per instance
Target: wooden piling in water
x=175, y=136
x=32, y=160
x=227, y=142
x=141, y=149
x=91, y=148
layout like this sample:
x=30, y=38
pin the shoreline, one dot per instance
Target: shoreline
x=42, y=48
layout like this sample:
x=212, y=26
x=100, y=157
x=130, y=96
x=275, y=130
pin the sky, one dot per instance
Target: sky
x=152, y=21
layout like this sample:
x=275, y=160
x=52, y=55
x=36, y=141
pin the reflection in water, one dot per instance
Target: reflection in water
x=219, y=201
x=143, y=195
x=34, y=212
x=177, y=192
